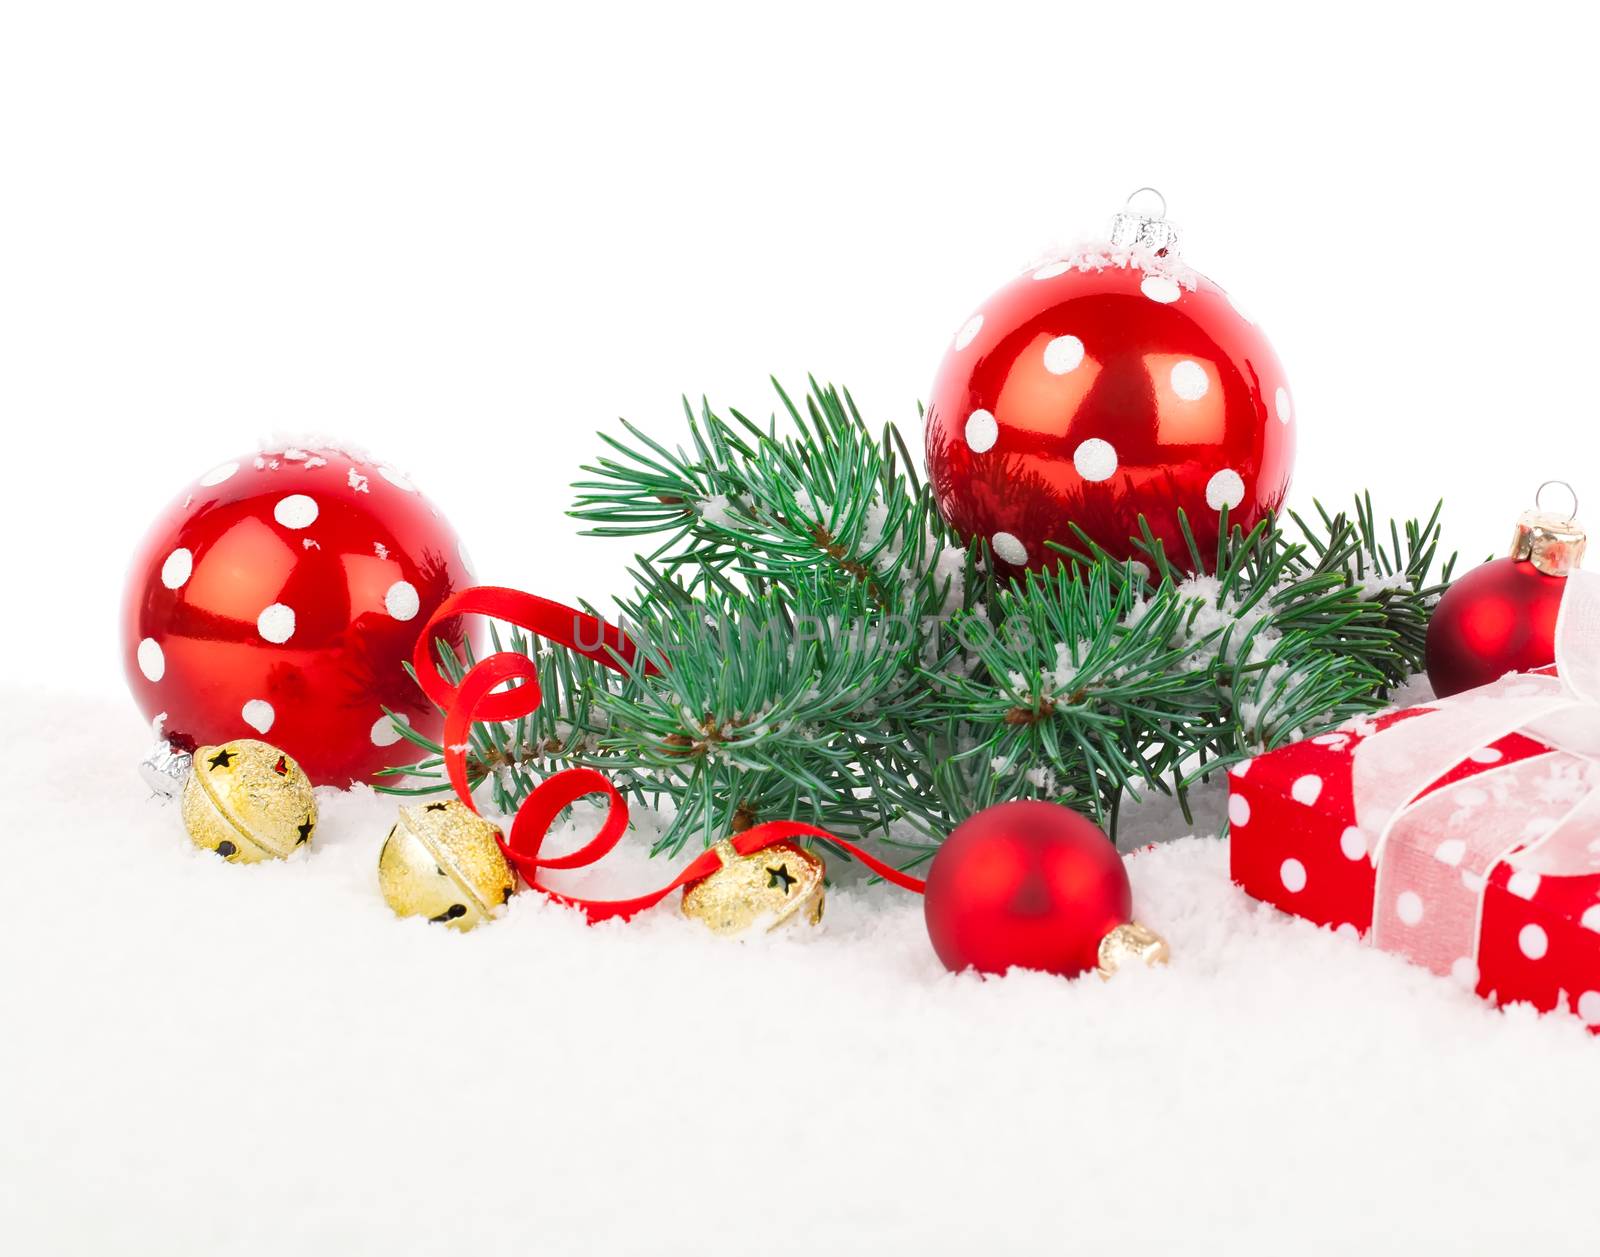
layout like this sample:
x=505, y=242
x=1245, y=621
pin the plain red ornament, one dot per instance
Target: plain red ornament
x=1496, y=619
x=1501, y=617
x=1099, y=388
x=1028, y=885
x=279, y=597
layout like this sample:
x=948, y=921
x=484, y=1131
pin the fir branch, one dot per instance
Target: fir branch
x=825, y=650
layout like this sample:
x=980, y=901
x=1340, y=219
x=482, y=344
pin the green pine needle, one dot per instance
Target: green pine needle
x=826, y=650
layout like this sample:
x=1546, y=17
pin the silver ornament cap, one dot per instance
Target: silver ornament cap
x=1136, y=228
x=166, y=768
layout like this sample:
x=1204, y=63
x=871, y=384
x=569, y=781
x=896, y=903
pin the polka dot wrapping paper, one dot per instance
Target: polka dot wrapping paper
x=1463, y=835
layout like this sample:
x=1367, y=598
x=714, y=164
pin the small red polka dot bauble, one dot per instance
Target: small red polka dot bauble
x=279, y=596
x=1032, y=885
x=1501, y=617
x=1108, y=384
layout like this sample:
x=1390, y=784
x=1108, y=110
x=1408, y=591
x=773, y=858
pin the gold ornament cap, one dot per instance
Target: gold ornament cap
x=1553, y=543
x=248, y=801
x=443, y=861
x=770, y=888
x=1131, y=942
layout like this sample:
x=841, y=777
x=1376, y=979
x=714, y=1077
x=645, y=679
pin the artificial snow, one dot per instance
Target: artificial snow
x=208, y=1058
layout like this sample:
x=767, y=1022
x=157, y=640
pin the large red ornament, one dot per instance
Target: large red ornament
x=1029, y=885
x=1100, y=387
x=1501, y=617
x=279, y=596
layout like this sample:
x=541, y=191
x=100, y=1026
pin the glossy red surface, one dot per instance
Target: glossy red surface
x=1496, y=619
x=278, y=596
x=1030, y=885
x=1091, y=397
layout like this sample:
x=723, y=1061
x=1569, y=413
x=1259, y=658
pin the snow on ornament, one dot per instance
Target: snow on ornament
x=1100, y=386
x=283, y=593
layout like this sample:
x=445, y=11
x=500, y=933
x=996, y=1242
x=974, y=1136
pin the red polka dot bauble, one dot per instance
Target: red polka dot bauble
x=1102, y=386
x=1027, y=885
x=279, y=596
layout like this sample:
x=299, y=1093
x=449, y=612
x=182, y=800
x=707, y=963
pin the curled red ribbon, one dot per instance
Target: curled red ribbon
x=474, y=700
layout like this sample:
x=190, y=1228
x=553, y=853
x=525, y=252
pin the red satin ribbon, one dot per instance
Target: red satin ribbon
x=473, y=700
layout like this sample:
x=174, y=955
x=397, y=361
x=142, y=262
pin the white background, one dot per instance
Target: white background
x=466, y=236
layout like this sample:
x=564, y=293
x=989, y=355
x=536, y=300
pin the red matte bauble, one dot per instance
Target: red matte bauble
x=279, y=597
x=1027, y=885
x=1496, y=619
x=1090, y=392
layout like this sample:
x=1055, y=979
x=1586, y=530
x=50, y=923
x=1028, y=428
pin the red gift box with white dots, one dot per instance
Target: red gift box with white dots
x=1294, y=844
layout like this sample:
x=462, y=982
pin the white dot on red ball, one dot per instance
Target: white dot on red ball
x=276, y=623
x=1306, y=789
x=1347, y=930
x=981, y=431
x=296, y=511
x=1063, y=354
x=1160, y=288
x=1293, y=876
x=218, y=474
x=1408, y=907
x=401, y=600
x=177, y=568
x=383, y=731
x=1095, y=459
x=152, y=660
x=396, y=479
x=1590, y=920
x=1533, y=942
x=969, y=331
x=1225, y=489
x=1285, y=410
x=1009, y=548
x=1589, y=1008
x=258, y=714
x=1465, y=972
x=1488, y=755
x=1353, y=843
x=1524, y=884
x=1238, y=809
x=1189, y=380
x=1052, y=269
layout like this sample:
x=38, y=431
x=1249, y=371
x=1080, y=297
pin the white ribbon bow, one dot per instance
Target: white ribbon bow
x=1540, y=815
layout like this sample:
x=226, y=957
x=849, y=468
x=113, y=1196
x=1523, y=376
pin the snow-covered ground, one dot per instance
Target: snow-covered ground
x=203, y=1058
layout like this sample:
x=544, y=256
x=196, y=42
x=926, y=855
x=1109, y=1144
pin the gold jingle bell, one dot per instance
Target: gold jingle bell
x=772, y=887
x=248, y=802
x=443, y=861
